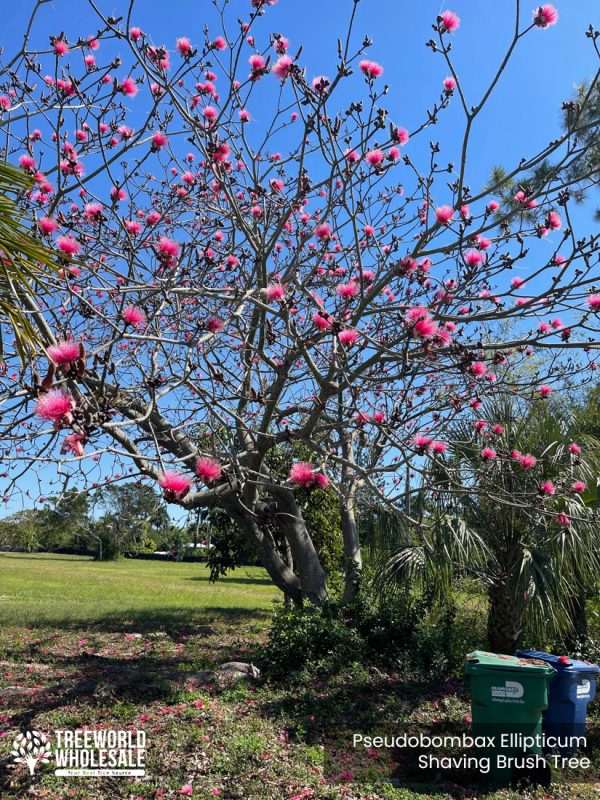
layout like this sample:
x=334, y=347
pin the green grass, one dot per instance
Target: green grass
x=67, y=591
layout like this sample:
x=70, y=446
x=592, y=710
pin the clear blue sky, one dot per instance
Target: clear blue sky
x=522, y=116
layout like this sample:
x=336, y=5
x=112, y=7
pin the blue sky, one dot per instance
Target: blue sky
x=524, y=112
x=522, y=116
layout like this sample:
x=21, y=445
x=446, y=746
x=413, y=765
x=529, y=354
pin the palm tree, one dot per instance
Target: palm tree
x=24, y=260
x=534, y=561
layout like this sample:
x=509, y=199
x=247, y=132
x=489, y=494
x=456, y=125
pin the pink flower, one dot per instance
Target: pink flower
x=450, y=22
x=493, y=205
x=92, y=212
x=281, y=68
x=184, y=46
x=449, y=84
x=545, y=391
x=321, y=322
x=578, y=486
x=438, y=447
x=257, y=62
x=132, y=226
x=27, y=161
x=175, y=484
x=478, y=368
x=564, y=520
x=323, y=230
x=275, y=291
x=73, y=443
x=593, y=301
x=574, y=449
x=425, y=328
x=348, y=336
x=129, y=87
x=422, y=443
x=400, y=135
x=135, y=33
x=347, y=290
x=553, y=220
x=545, y=15
x=55, y=406
x=60, y=46
x=488, y=453
x=133, y=315
x=167, y=247
x=303, y=474
x=219, y=43
x=214, y=324
x=527, y=461
x=64, y=352
x=221, y=154
x=444, y=214
x=321, y=481
x=186, y=789
x=47, y=225
x=320, y=83
x=371, y=68
x=375, y=157
x=159, y=139
x=548, y=488
x=244, y=115
x=473, y=258
x=68, y=245
x=208, y=469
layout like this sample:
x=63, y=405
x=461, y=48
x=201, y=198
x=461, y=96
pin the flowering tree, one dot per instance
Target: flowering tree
x=229, y=286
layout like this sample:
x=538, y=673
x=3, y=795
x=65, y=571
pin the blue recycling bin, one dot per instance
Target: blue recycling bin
x=572, y=688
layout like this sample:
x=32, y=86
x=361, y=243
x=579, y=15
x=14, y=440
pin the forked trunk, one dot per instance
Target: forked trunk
x=305, y=580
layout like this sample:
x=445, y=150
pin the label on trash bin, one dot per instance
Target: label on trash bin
x=583, y=688
x=511, y=692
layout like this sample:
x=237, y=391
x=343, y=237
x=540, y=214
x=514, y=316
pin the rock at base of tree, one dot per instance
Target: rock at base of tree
x=234, y=671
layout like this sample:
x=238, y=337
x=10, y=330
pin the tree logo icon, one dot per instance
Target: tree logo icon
x=31, y=748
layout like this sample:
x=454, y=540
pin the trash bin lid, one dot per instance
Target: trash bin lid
x=480, y=661
x=561, y=663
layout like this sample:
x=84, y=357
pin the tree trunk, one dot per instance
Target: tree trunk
x=352, y=553
x=289, y=559
x=313, y=585
x=505, y=619
x=281, y=575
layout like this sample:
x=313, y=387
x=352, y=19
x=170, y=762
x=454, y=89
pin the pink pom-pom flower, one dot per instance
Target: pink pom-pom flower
x=65, y=352
x=304, y=475
x=208, y=469
x=175, y=484
x=55, y=406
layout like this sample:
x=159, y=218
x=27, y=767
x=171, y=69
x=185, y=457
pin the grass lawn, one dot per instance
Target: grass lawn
x=127, y=646
x=62, y=591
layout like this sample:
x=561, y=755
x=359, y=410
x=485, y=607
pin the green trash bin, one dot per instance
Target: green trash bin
x=508, y=695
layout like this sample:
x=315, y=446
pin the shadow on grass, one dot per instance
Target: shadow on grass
x=99, y=681
x=174, y=622
x=249, y=581
x=74, y=559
